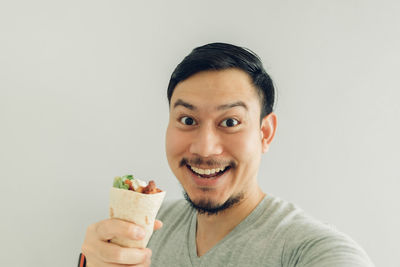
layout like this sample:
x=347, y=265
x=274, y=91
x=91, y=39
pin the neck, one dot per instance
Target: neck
x=213, y=228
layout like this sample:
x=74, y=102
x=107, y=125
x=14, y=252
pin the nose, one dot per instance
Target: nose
x=206, y=142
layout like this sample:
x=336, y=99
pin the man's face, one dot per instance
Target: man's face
x=214, y=140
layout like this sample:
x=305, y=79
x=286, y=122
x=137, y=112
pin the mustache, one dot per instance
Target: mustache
x=209, y=162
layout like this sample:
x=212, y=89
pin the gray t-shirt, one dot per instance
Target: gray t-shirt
x=276, y=233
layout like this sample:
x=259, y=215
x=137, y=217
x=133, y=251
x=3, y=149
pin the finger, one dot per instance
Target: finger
x=111, y=228
x=158, y=224
x=111, y=253
x=147, y=261
x=97, y=263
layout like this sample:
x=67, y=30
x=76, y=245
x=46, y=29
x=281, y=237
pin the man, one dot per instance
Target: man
x=221, y=121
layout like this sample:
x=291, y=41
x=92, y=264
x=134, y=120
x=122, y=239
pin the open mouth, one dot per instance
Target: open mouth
x=208, y=173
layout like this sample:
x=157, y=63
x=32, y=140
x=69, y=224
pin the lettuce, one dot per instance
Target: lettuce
x=129, y=177
x=119, y=182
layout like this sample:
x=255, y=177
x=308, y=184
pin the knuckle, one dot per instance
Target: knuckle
x=93, y=228
x=103, y=224
x=101, y=227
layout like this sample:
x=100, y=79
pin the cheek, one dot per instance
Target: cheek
x=175, y=142
x=245, y=145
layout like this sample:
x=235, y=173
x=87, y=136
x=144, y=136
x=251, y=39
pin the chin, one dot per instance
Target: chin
x=211, y=206
x=206, y=194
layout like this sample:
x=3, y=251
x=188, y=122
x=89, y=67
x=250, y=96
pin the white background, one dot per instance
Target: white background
x=83, y=99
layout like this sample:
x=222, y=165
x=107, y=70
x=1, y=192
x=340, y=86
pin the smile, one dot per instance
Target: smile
x=208, y=173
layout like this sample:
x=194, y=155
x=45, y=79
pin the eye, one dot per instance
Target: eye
x=187, y=120
x=229, y=122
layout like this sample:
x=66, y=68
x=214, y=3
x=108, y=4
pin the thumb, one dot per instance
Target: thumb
x=157, y=224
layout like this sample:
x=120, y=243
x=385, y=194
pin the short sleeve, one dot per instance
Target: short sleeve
x=323, y=246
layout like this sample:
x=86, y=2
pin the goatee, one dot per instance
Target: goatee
x=210, y=208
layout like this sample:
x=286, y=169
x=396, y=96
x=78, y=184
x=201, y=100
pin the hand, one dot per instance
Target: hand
x=99, y=252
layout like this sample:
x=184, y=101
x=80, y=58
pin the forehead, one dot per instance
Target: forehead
x=213, y=88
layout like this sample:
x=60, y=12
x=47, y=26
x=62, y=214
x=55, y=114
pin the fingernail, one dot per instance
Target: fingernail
x=139, y=234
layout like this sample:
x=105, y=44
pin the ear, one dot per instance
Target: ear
x=268, y=129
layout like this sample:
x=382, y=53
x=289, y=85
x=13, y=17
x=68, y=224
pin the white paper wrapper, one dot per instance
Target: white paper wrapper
x=138, y=208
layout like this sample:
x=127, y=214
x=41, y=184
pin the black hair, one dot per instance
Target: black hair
x=220, y=56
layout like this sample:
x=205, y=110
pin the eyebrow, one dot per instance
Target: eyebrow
x=187, y=105
x=180, y=102
x=232, y=105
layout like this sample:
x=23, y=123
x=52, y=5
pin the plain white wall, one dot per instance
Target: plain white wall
x=83, y=99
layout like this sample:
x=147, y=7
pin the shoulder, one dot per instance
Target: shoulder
x=314, y=244
x=307, y=241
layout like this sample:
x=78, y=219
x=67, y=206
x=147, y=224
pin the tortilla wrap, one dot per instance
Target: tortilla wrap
x=135, y=207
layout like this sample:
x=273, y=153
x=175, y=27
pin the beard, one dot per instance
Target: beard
x=209, y=208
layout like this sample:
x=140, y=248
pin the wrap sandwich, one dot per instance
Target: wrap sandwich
x=135, y=201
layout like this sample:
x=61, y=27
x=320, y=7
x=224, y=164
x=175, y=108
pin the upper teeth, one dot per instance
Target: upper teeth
x=206, y=171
